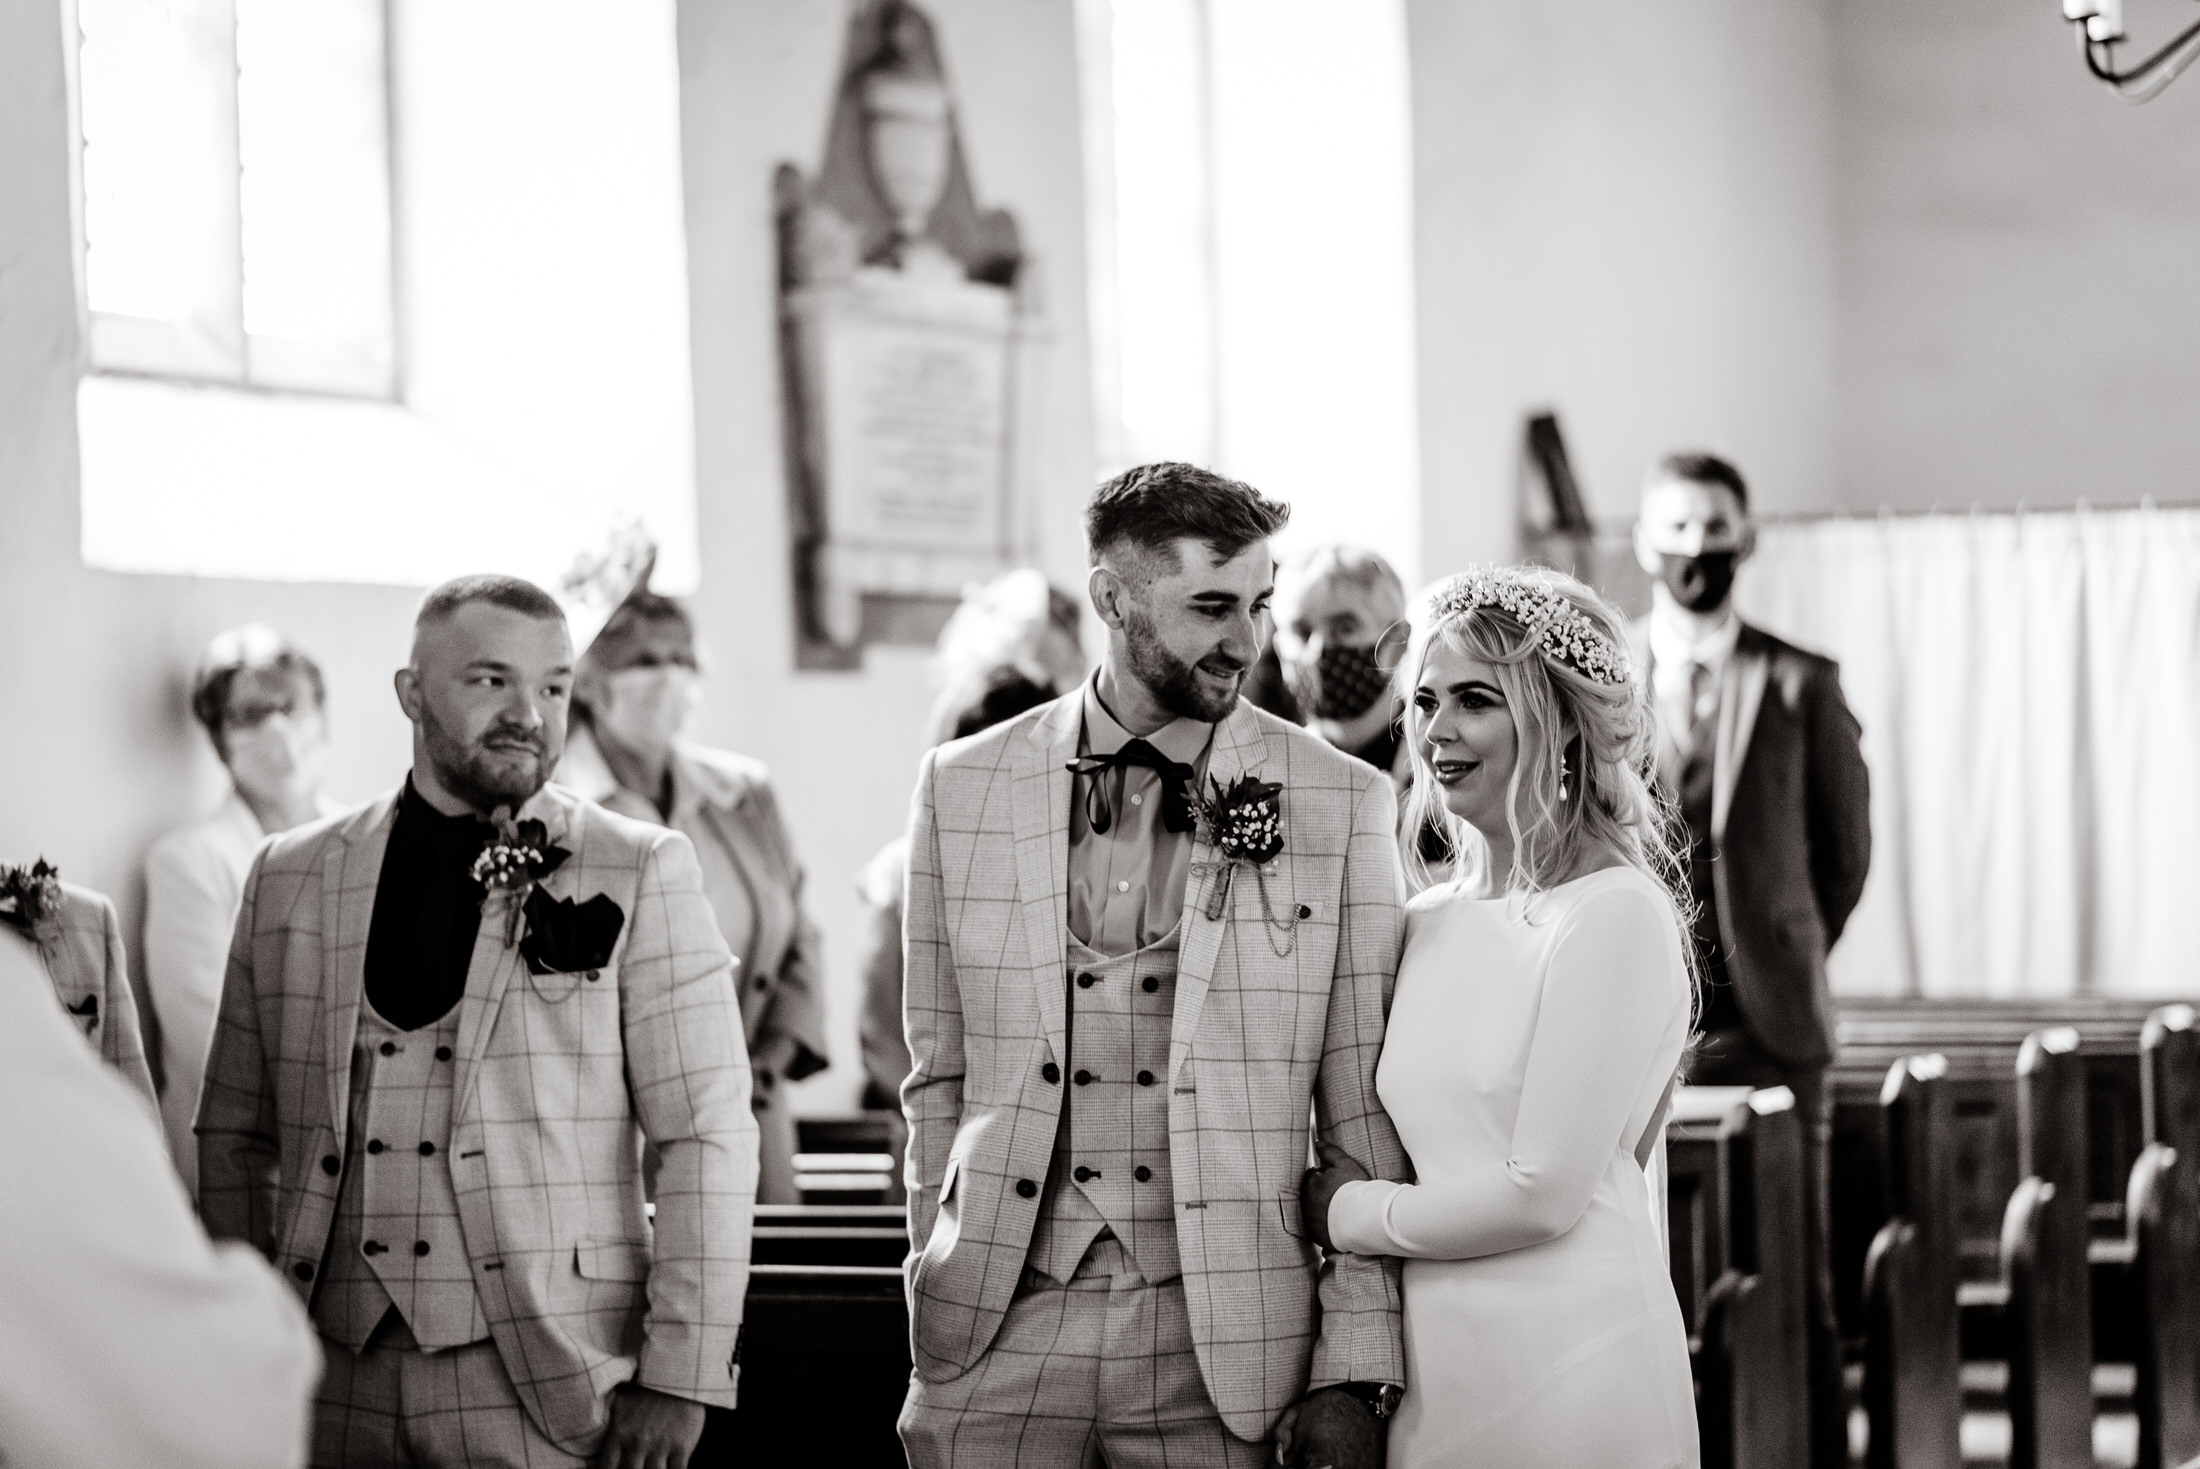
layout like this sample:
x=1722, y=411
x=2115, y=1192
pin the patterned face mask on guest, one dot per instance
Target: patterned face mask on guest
x=1343, y=683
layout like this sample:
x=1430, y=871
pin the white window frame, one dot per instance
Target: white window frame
x=211, y=344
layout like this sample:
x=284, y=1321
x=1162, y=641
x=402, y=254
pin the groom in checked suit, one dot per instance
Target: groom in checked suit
x=1119, y=1036
x=1759, y=750
x=430, y=1088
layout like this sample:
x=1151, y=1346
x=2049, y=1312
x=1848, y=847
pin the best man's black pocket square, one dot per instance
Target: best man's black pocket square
x=564, y=937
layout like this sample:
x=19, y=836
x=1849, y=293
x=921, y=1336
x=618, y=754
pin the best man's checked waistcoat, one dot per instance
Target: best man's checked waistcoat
x=397, y=1240
x=1111, y=1147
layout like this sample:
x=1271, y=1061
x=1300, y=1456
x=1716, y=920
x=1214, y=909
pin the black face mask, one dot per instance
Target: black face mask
x=1344, y=683
x=1699, y=583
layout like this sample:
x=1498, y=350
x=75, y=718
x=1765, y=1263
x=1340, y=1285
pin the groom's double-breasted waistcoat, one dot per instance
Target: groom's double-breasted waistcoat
x=1271, y=1023
x=555, y=1081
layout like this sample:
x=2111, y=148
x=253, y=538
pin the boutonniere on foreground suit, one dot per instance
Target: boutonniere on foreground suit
x=1245, y=825
x=515, y=856
x=30, y=901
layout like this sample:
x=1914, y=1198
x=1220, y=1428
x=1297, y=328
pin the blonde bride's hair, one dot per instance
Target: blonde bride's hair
x=1579, y=715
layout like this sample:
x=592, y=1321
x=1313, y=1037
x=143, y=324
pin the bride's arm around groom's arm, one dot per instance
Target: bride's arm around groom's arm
x=1360, y=1322
x=1606, y=1008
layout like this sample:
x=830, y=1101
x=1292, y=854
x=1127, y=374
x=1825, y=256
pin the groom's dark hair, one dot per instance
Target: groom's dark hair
x=501, y=591
x=1154, y=506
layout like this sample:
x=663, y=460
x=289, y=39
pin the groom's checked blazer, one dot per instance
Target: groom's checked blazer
x=1258, y=1042
x=557, y=1079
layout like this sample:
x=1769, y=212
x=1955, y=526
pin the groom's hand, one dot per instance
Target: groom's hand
x=649, y=1430
x=1320, y=1187
x=1329, y=1429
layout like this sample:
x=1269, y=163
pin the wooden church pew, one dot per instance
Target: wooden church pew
x=1981, y=1041
x=1912, y=1367
x=1735, y=1228
x=2045, y=1271
x=825, y=1343
x=2164, y=1214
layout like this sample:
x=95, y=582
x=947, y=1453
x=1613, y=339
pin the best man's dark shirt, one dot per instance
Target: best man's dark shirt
x=426, y=912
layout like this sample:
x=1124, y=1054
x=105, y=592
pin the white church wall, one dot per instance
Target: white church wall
x=2019, y=318
x=1624, y=214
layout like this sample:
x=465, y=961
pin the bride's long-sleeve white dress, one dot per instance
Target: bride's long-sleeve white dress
x=1529, y=1046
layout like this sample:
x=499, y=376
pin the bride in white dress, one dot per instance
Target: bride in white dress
x=1542, y=1004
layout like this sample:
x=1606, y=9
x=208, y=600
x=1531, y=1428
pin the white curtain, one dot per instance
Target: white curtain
x=2029, y=687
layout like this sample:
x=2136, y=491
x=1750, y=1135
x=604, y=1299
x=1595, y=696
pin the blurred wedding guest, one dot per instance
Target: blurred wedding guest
x=1012, y=645
x=78, y=941
x=262, y=703
x=636, y=686
x=1339, y=611
x=126, y=1338
x=1759, y=749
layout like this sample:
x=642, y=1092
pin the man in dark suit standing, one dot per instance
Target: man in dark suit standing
x=1758, y=747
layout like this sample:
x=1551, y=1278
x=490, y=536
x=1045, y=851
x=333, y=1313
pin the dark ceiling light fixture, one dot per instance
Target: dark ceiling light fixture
x=2100, y=27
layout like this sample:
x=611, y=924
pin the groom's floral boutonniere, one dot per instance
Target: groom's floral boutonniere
x=30, y=900
x=516, y=856
x=1245, y=824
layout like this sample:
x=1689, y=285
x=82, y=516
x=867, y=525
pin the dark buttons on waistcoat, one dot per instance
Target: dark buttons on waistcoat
x=1087, y=981
x=1050, y=1073
x=1142, y=1173
x=374, y=1145
x=427, y=1150
x=389, y=1048
x=1084, y=1174
x=1145, y=1078
x=763, y=981
x=374, y=1247
x=1303, y=912
x=1149, y=984
x=420, y=1247
x=442, y=1053
x=302, y=1270
x=1025, y=1188
x=332, y=1165
x=1083, y=1078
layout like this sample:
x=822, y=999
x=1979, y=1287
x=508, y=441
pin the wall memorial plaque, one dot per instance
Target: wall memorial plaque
x=906, y=337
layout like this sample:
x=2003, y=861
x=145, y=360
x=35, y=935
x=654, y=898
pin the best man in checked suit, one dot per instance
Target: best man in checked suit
x=428, y=1093
x=1119, y=1038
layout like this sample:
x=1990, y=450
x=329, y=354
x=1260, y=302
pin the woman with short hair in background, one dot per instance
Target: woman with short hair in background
x=262, y=702
x=633, y=692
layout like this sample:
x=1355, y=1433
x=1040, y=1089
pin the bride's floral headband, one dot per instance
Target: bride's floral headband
x=1566, y=636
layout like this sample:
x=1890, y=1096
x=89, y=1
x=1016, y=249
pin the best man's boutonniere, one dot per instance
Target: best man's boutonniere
x=516, y=856
x=1245, y=824
x=30, y=900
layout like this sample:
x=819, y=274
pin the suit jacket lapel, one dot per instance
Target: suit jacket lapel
x=1239, y=750
x=1739, y=700
x=349, y=876
x=489, y=972
x=1040, y=795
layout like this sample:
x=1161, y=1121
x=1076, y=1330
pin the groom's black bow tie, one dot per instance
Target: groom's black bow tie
x=1176, y=785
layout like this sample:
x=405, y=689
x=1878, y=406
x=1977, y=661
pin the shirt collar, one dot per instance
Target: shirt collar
x=1671, y=646
x=414, y=809
x=1182, y=739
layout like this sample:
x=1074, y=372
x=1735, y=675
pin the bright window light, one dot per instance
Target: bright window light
x=237, y=191
x=1253, y=233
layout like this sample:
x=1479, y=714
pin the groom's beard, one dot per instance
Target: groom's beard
x=505, y=767
x=1173, y=682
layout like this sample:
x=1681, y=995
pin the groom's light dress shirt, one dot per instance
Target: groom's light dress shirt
x=1126, y=885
